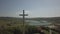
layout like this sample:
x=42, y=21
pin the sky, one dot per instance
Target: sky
x=34, y=8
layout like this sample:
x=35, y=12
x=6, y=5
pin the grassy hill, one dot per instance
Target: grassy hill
x=8, y=25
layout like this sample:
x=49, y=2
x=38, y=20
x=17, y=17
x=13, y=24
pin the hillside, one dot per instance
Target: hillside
x=50, y=19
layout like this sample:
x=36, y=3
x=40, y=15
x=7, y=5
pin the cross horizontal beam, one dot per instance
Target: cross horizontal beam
x=23, y=15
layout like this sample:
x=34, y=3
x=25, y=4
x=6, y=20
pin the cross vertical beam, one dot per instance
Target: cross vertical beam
x=23, y=18
x=23, y=22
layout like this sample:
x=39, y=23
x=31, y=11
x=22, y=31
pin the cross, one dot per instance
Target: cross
x=23, y=20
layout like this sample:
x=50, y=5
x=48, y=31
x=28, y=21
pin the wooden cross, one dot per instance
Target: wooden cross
x=23, y=20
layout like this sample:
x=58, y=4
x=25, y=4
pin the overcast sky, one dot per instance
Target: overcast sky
x=35, y=8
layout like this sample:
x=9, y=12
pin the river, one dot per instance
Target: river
x=37, y=23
